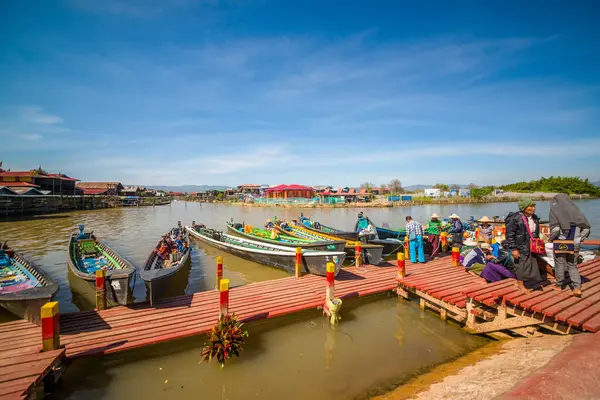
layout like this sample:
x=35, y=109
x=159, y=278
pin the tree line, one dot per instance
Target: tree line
x=558, y=184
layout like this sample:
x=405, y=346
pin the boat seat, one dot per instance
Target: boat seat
x=88, y=247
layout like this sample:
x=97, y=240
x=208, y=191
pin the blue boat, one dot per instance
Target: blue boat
x=24, y=287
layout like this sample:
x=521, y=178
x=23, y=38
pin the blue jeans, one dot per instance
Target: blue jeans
x=416, y=250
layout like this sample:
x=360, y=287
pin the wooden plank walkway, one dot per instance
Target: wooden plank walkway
x=122, y=328
x=582, y=313
x=22, y=364
x=448, y=288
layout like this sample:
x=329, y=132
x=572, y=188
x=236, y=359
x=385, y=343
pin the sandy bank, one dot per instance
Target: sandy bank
x=486, y=373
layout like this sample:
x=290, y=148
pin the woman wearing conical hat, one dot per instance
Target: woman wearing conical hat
x=433, y=233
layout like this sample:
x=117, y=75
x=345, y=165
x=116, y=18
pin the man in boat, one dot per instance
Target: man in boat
x=364, y=227
x=522, y=231
x=434, y=228
x=480, y=261
x=456, y=230
x=414, y=232
x=486, y=230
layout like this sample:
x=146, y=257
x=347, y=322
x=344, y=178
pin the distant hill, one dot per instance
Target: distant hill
x=188, y=188
x=597, y=183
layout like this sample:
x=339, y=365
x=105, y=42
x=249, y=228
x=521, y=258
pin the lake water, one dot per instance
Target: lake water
x=380, y=342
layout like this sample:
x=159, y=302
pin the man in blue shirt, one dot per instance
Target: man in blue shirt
x=414, y=231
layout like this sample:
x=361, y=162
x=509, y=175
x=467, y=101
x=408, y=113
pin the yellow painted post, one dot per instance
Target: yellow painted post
x=298, y=262
x=50, y=326
x=406, y=247
x=224, y=297
x=219, y=271
x=358, y=254
x=100, y=289
x=330, y=276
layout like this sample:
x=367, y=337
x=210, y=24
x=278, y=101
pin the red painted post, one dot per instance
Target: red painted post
x=406, y=247
x=100, y=289
x=401, y=266
x=50, y=326
x=298, y=262
x=330, y=276
x=455, y=257
x=358, y=254
x=219, y=271
x=224, y=298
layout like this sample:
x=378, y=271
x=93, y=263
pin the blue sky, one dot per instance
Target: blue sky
x=314, y=92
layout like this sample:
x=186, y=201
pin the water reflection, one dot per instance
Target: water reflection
x=294, y=357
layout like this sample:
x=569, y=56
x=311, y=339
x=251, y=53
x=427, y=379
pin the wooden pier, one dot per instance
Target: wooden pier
x=500, y=308
x=495, y=309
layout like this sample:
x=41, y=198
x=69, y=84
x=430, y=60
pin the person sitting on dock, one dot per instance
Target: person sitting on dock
x=521, y=228
x=434, y=228
x=480, y=261
x=414, y=231
x=486, y=230
x=456, y=230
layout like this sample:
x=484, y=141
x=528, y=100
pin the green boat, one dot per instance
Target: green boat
x=267, y=236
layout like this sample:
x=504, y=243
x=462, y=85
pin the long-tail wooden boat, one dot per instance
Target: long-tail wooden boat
x=24, y=287
x=387, y=233
x=263, y=235
x=390, y=246
x=314, y=262
x=372, y=254
x=87, y=254
x=166, y=260
x=317, y=227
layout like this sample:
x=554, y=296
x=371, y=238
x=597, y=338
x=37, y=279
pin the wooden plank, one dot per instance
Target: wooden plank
x=593, y=324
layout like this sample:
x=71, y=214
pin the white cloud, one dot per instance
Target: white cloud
x=37, y=115
x=30, y=136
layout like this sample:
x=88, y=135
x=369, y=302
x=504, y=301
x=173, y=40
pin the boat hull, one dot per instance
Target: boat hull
x=331, y=231
x=161, y=282
x=312, y=262
x=339, y=245
x=118, y=281
x=390, y=246
x=27, y=303
x=372, y=252
x=28, y=309
x=385, y=233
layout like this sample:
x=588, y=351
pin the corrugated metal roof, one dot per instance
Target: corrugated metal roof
x=99, y=185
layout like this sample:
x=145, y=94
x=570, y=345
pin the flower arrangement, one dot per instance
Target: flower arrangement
x=225, y=340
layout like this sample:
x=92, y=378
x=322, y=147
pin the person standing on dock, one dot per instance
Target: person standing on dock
x=434, y=228
x=414, y=231
x=519, y=237
x=569, y=225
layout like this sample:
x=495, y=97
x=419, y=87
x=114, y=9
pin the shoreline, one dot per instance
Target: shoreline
x=379, y=204
x=501, y=365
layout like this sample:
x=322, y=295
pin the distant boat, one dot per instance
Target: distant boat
x=372, y=254
x=86, y=254
x=24, y=287
x=314, y=262
x=264, y=235
x=164, y=263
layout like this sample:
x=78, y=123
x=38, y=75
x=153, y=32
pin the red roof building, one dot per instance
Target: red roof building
x=54, y=183
x=290, y=192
